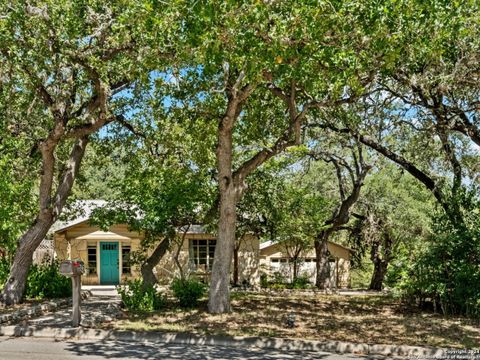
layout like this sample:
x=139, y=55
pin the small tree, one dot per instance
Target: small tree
x=299, y=212
x=351, y=168
x=396, y=212
x=164, y=203
x=165, y=187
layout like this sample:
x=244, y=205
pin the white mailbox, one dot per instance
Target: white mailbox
x=72, y=268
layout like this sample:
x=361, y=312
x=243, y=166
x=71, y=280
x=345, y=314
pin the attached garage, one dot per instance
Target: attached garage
x=274, y=260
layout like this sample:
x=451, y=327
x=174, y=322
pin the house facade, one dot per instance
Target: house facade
x=274, y=260
x=107, y=254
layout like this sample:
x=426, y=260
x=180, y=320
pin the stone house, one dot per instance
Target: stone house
x=107, y=254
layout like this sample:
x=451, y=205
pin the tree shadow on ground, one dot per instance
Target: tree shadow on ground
x=147, y=351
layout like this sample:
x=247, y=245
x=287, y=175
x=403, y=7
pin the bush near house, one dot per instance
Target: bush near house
x=187, y=291
x=138, y=297
x=279, y=282
x=301, y=282
x=263, y=281
x=45, y=282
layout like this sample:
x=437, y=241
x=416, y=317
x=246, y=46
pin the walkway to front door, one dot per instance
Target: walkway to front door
x=109, y=263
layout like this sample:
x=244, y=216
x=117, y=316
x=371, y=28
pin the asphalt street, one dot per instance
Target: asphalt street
x=29, y=348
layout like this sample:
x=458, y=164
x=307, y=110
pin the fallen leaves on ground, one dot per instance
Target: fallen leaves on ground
x=369, y=318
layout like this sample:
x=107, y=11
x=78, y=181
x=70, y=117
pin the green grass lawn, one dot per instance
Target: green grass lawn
x=368, y=318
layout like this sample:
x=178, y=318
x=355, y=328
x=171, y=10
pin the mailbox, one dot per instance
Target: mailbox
x=72, y=268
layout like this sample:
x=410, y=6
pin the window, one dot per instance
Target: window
x=126, y=262
x=279, y=260
x=201, y=254
x=92, y=259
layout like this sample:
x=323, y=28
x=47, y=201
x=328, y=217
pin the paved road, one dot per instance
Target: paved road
x=48, y=349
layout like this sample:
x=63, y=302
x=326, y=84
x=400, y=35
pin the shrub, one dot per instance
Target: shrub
x=301, y=282
x=446, y=273
x=263, y=281
x=45, y=282
x=138, y=297
x=279, y=278
x=188, y=291
x=278, y=286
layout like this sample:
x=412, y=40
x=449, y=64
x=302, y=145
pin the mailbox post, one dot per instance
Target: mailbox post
x=75, y=270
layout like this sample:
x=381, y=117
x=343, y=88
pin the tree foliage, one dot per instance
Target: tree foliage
x=189, y=103
x=446, y=270
x=395, y=219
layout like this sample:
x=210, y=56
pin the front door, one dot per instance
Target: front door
x=109, y=263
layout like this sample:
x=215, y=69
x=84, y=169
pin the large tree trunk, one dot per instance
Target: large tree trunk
x=50, y=209
x=147, y=267
x=379, y=272
x=380, y=254
x=321, y=261
x=219, y=295
x=231, y=184
x=15, y=286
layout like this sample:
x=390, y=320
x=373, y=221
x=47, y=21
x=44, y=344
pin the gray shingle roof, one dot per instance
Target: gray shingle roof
x=81, y=210
x=77, y=213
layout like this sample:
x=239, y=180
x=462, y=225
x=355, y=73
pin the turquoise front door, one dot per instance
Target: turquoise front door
x=109, y=263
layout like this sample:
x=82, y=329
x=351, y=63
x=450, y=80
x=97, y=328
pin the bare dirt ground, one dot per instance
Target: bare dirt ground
x=27, y=304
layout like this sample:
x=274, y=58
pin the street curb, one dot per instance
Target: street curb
x=229, y=341
x=39, y=309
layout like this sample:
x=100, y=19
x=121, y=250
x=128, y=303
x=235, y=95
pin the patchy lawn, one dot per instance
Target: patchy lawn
x=367, y=318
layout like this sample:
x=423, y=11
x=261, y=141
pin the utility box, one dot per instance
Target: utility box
x=72, y=268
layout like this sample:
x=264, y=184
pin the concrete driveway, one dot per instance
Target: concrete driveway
x=101, y=290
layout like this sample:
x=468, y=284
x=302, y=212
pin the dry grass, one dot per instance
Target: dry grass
x=368, y=318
